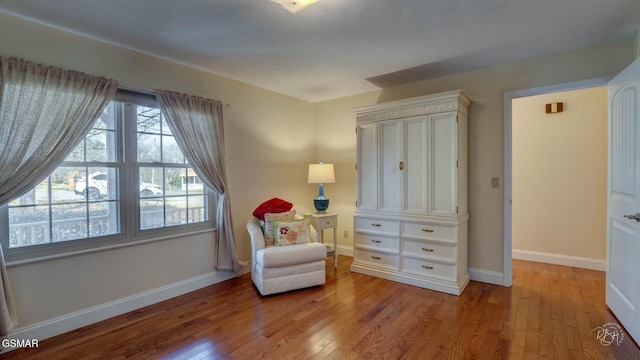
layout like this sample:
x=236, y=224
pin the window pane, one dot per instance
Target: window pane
x=149, y=150
x=63, y=184
x=165, y=127
x=190, y=182
x=148, y=120
x=102, y=184
x=101, y=145
x=197, y=209
x=68, y=222
x=195, y=184
x=103, y=218
x=176, y=211
x=77, y=154
x=173, y=181
x=38, y=195
x=151, y=214
x=150, y=183
x=28, y=226
x=171, y=152
x=107, y=119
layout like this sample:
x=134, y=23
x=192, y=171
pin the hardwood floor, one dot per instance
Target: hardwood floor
x=550, y=312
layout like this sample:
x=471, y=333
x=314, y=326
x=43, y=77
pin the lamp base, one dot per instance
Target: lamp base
x=321, y=205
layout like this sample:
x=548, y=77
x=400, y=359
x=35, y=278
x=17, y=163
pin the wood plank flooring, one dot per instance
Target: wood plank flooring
x=549, y=313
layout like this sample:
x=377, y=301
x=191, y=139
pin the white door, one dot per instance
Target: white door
x=390, y=185
x=415, y=166
x=444, y=164
x=367, y=163
x=623, y=225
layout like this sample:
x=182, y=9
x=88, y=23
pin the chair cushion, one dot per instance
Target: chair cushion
x=274, y=205
x=274, y=256
x=284, y=271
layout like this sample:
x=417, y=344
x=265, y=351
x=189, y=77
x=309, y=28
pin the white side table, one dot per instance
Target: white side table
x=327, y=221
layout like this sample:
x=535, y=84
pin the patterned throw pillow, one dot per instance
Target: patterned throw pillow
x=291, y=232
x=269, y=224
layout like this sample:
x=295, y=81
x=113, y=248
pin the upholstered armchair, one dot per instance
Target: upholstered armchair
x=276, y=269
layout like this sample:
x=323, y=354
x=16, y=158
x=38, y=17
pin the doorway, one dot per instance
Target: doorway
x=509, y=98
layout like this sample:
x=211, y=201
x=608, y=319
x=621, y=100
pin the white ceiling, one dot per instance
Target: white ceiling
x=337, y=48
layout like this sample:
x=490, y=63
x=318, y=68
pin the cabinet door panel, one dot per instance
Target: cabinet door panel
x=415, y=166
x=444, y=156
x=390, y=173
x=367, y=167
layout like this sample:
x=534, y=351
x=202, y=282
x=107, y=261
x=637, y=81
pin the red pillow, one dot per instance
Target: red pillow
x=274, y=205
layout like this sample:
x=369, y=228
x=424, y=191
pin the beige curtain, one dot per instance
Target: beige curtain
x=196, y=123
x=44, y=113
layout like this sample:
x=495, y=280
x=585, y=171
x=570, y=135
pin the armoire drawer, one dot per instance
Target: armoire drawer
x=377, y=242
x=429, y=268
x=429, y=231
x=377, y=259
x=421, y=249
x=381, y=226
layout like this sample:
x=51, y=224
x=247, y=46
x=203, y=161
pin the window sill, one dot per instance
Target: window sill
x=35, y=259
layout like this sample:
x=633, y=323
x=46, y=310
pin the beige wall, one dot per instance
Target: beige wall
x=560, y=174
x=336, y=137
x=486, y=88
x=269, y=142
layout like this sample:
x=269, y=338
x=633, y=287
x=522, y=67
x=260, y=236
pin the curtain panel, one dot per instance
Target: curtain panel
x=45, y=112
x=197, y=125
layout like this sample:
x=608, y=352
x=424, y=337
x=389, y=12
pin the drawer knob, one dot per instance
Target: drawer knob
x=376, y=257
x=328, y=222
x=427, y=250
x=376, y=225
x=427, y=267
x=376, y=241
x=428, y=230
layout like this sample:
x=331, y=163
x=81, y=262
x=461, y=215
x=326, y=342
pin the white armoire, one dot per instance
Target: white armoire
x=411, y=216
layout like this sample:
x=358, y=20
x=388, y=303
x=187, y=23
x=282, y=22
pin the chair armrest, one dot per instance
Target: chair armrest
x=257, y=237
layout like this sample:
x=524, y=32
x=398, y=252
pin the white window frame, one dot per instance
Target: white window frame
x=130, y=232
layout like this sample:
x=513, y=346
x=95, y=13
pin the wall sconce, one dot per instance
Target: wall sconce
x=553, y=108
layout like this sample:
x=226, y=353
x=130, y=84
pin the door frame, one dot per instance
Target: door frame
x=508, y=168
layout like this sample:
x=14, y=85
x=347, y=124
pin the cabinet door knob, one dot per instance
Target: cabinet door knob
x=401, y=165
x=427, y=230
x=635, y=217
x=427, y=249
x=427, y=267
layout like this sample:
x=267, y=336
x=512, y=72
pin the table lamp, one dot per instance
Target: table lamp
x=321, y=174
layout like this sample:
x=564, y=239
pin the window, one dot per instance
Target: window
x=165, y=199
x=83, y=203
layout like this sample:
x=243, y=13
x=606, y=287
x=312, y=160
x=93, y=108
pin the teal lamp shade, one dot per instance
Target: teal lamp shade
x=321, y=174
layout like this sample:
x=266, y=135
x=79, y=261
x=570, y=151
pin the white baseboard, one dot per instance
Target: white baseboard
x=78, y=319
x=565, y=260
x=487, y=276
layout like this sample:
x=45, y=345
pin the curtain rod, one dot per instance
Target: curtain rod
x=153, y=93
